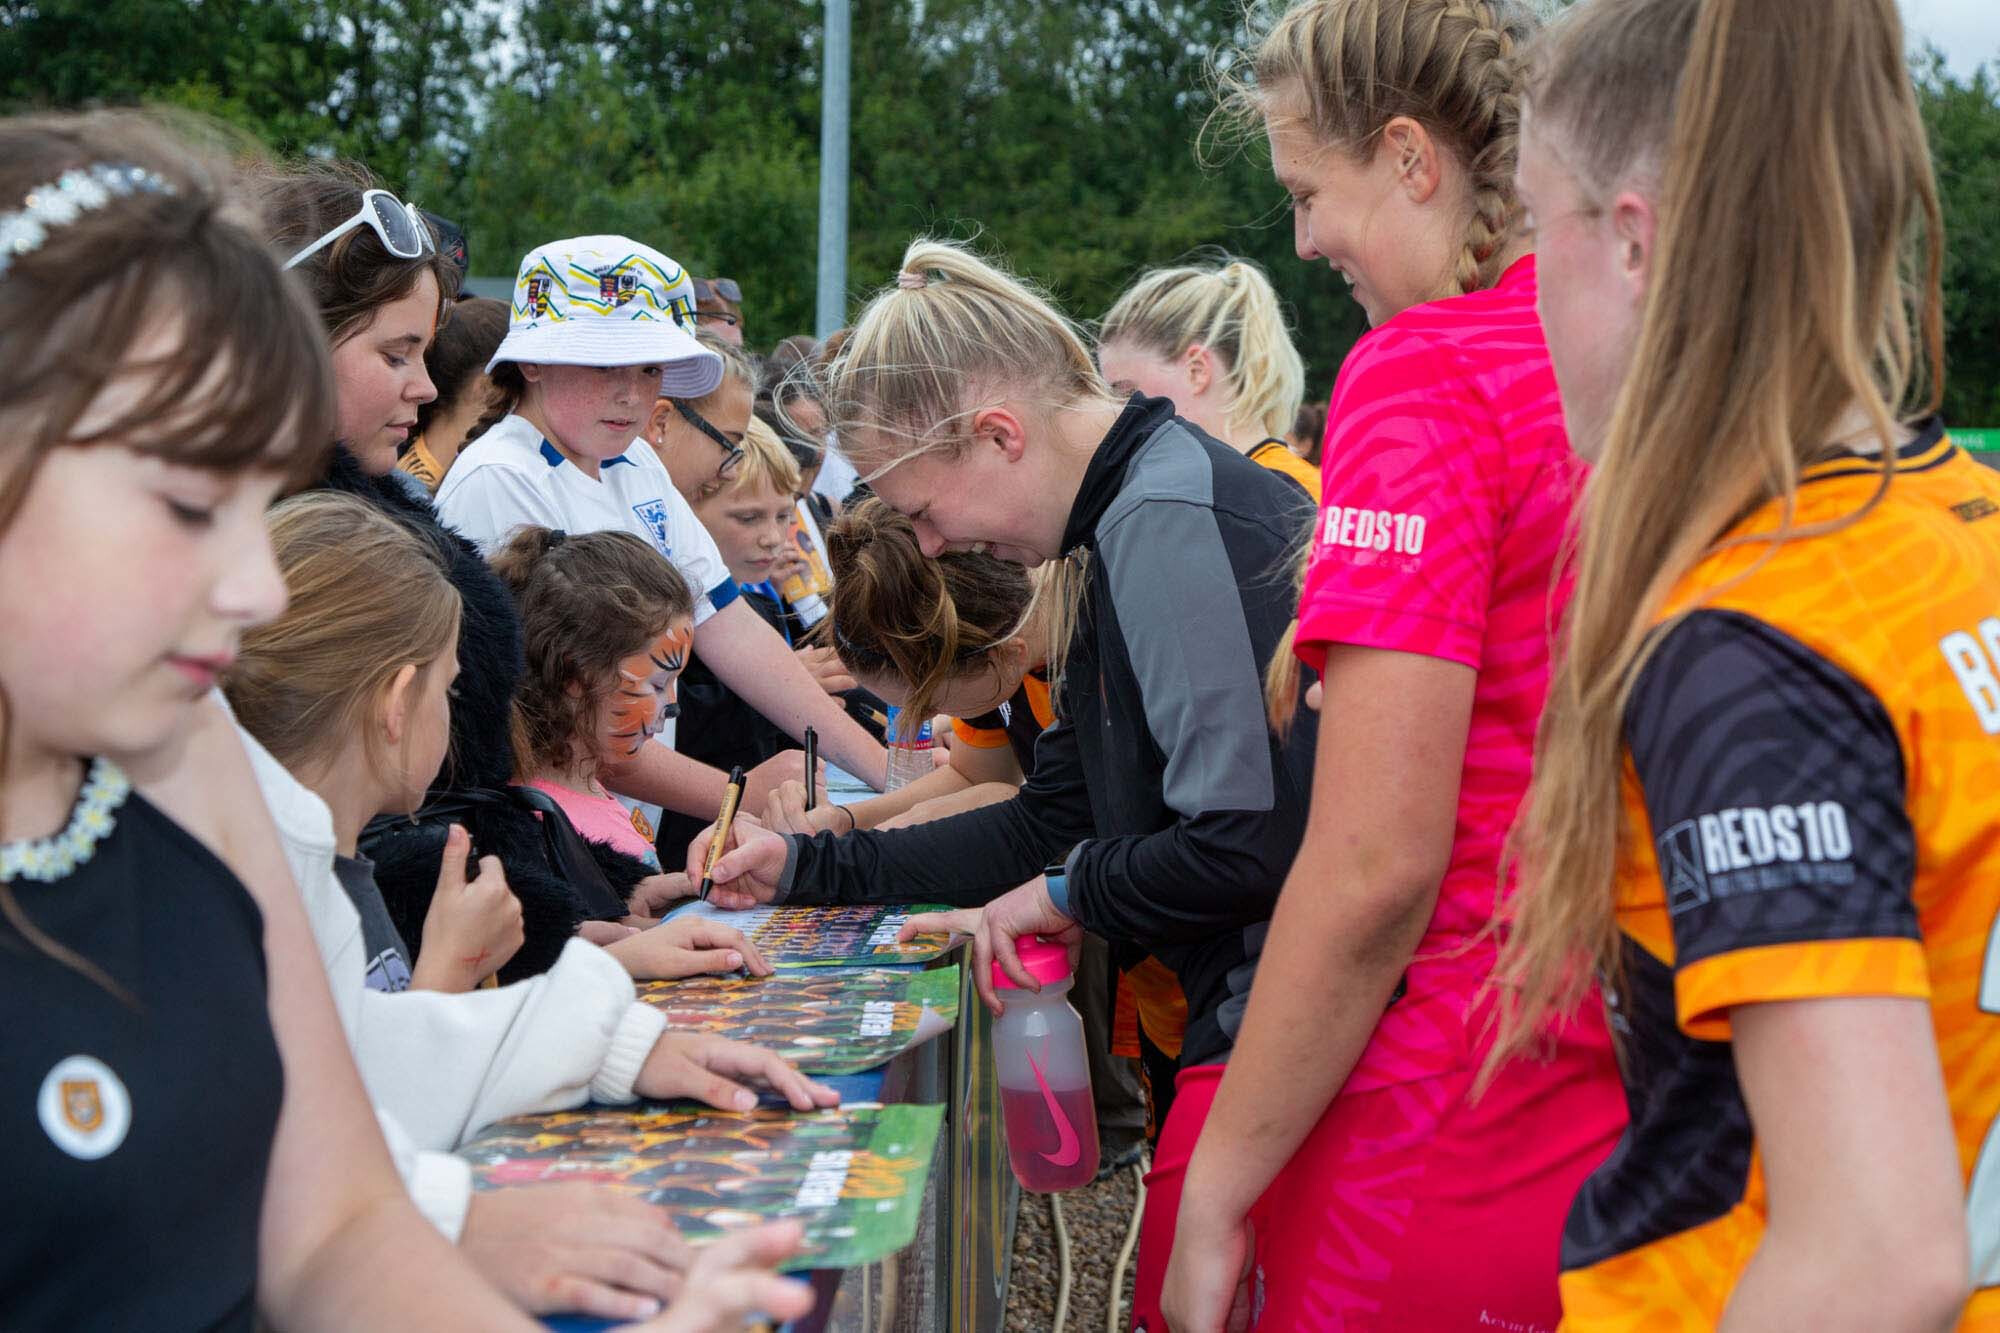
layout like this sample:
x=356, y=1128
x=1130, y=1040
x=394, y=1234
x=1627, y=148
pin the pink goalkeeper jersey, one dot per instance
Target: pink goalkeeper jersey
x=1448, y=483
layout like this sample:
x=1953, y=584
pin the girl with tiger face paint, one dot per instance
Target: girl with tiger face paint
x=642, y=698
x=609, y=626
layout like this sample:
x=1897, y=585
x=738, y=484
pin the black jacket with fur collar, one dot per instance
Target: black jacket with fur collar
x=408, y=851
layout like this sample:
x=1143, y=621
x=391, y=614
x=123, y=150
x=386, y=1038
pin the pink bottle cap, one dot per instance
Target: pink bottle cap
x=1047, y=961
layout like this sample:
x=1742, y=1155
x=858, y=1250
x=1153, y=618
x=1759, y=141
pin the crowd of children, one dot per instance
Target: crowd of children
x=1543, y=810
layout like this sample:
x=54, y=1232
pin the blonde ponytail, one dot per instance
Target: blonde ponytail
x=953, y=335
x=1229, y=307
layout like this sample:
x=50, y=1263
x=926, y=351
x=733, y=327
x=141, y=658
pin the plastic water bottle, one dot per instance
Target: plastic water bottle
x=805, y=590
x=1044, y=1074
x=909, y=756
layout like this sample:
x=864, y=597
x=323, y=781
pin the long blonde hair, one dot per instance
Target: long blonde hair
x=1453, y=66
x=1799, y=257
x=1229, y=307
x=369, y=596
x=952, y=335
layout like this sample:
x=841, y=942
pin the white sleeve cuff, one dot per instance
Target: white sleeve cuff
x=631, y=1043
x=441, y=1185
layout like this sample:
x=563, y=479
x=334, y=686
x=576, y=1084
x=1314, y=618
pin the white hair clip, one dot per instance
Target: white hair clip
x=67, y=197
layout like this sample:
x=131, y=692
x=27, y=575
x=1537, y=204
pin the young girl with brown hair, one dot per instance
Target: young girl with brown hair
x=1767, y=787
x=1211, y=338
x=350, y=691
x=609, y=626
x=1433, y=588
x=186, y=1136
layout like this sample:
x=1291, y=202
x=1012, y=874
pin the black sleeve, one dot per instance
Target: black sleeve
x=622, y=871
x=1775, y=787
x=966, y=860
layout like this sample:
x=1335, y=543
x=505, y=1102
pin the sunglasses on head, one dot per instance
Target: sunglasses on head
x=732, y=454
x=709, y=289
x=399, y=226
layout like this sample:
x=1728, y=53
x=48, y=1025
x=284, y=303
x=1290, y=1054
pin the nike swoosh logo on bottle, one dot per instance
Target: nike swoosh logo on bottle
x=1068, y=1147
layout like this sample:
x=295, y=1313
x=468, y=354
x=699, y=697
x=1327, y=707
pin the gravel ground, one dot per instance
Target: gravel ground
x=1097, y=1217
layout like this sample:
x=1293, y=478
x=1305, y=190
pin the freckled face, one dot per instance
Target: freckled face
x=594, y=412
x=643, y=696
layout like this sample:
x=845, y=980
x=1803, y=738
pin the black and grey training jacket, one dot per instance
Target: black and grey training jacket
x=1174, y=808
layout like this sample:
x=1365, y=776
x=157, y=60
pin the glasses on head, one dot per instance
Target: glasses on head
x=399, y=226
x=732, y=454
x=708, y=289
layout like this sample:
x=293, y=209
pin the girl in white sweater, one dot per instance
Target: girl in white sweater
x=348, y=694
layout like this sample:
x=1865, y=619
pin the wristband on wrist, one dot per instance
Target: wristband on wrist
x=850, y=816
x=1058, y=885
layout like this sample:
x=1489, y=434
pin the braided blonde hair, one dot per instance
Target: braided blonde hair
x=1453, y=66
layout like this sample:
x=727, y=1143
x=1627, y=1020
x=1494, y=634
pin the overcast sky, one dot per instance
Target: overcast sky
x=1968, y=31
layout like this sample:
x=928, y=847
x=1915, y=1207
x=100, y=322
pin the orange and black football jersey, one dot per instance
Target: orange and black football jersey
x=1812, y=797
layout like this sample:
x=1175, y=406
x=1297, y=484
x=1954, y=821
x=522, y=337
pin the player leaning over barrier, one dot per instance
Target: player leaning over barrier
x=976, y=409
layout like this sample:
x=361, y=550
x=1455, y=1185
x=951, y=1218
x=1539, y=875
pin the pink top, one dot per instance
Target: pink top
x=603, y=819
x=1448, y=489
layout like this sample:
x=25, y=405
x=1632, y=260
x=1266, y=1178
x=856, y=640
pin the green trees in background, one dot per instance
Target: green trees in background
x=1964, y=123
x=1060, y=132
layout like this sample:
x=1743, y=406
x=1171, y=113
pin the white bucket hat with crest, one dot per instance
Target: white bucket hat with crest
x=609, y=301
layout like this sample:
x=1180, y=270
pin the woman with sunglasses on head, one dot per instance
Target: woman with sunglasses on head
x=598, y=337
x=718, y=309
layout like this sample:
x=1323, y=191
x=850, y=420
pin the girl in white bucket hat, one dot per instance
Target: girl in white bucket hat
x=601, y=329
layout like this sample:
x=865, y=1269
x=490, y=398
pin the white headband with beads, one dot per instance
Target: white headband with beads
x=64, y=199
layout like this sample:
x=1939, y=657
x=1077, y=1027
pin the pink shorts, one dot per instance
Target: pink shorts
x=1409, y=1208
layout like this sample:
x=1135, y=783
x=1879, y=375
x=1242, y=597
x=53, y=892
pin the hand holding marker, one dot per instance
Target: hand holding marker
x=731, y=796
